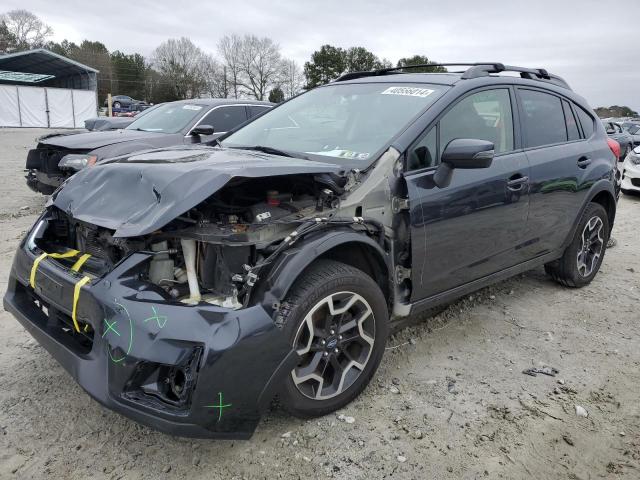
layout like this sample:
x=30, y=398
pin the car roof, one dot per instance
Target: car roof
x=222, y=101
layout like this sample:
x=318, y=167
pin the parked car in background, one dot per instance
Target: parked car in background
x=176, y=123
x=614, y=130
x=123, y=101
x=631, y=172
x=187, y=287
x=633, y=129
x=114, y=123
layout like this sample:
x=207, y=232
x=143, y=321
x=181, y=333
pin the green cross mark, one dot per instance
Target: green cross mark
x=160, y=319
x=110, y=326
x=220, y=406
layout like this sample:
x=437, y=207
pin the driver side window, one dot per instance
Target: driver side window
x=484, y=115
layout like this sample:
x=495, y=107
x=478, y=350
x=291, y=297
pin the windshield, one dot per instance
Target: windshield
x=349, y=122
x=168, y=118
x=633, y=129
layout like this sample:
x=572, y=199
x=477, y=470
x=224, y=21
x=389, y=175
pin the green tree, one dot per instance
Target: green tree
x=95, y=55
x=326, y=64
x=420, y=60
x=276, y=95
x=359, y=59
x=7, y=39
x=615, y=111
x=129, y=73
x=63, y=48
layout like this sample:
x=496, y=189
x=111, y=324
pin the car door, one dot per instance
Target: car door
x=559, y=157
x=474, y=226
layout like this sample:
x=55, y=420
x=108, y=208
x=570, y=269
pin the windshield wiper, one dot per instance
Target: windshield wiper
x=275, y=151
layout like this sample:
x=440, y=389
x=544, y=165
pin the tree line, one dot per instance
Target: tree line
x=246, y=66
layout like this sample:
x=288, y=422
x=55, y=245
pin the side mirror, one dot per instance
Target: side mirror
x=202, y=130
x=468, y=153
x=465, y=153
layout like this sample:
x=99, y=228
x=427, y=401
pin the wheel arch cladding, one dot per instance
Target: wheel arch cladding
x=603, y=194
x=349, y=247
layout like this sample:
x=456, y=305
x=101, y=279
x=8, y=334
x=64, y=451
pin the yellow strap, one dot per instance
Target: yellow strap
x=76, y=266
x=36, y=262
x=76, y=297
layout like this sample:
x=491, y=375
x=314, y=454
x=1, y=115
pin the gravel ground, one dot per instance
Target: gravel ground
x=449, y=401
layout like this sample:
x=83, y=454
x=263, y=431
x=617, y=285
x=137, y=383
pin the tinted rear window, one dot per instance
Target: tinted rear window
x=544, y=121
x=257, y=110
x=586, y=121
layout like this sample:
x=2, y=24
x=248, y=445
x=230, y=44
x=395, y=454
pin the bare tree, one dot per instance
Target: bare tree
x=229, y=49
x=292, y=78
x=183, y=65
x=260, y=65
x=215, y=78
x=27, y=30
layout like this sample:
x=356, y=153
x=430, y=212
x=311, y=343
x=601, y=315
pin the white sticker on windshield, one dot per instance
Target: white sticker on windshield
x=408, y=91
x=192, y=107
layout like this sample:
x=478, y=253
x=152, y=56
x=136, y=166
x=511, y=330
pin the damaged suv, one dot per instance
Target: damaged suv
x=186, y=288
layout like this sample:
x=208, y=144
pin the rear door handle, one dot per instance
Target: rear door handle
x=516, y=182
x=584, y=162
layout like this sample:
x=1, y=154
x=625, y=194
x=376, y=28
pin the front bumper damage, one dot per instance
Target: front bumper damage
x=136, y=344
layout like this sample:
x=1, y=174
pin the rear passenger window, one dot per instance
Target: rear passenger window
x=572, y=125
x=586, y=121
x=544, y=121
x=223, y=119
x=257, y=110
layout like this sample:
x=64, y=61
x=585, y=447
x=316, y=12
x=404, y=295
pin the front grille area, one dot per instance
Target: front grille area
x=57, y=323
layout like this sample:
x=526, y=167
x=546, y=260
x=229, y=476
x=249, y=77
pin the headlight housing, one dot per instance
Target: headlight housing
x=77, y=161
x=634, y=156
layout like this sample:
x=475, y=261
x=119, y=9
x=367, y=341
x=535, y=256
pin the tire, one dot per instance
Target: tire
x=116, y=105
x=352, y=338
x=568, y=270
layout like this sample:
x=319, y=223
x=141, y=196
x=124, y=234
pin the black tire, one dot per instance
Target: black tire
x=321, y=280
x=565, y=270
x=116, y=105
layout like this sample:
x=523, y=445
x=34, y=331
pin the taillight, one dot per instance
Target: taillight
x=615, y=147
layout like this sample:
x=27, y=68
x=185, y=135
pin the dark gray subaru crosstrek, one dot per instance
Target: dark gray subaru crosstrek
x=186, y=287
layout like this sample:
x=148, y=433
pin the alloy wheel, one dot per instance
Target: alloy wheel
x=591, y=246
x=334, y=341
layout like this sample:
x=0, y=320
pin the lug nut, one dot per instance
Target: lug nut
x=332, y=332
x=339, y=337
x=335, y=351
x=325, y=354
x=322, y=342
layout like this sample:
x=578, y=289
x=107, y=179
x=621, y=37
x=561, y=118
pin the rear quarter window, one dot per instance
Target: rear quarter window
x=586, y=122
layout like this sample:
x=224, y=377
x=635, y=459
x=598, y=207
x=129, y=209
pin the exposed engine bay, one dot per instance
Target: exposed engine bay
x=211, y=252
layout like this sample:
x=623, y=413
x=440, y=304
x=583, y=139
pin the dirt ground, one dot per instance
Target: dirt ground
x=449, y=401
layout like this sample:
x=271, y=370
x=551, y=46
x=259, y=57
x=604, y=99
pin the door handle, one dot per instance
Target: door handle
x=516, y=182
x=583, y=162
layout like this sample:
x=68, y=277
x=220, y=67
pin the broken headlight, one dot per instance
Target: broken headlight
x=76, y=161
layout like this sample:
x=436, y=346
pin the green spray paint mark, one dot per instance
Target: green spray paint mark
x=220, y=406
x=160, y=319
x=120, y=359
x=110, y=327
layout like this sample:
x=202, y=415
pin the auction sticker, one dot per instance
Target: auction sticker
x=192, y=107
x=408, y=91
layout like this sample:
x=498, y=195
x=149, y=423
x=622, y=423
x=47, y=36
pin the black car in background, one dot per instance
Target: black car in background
x=123, y=101
x=187, y=287
x=176, y=123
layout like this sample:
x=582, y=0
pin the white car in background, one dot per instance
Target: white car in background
x=631, y=172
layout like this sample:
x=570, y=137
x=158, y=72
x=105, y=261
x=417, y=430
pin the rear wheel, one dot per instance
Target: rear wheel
x=336, y=318
x=116, y=105
x=582, y=259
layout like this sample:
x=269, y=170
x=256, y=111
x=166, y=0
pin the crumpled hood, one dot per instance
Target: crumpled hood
x=93, y=140
x=141, y=193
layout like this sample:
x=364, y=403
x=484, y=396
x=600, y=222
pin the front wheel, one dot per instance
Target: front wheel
x=336, y=318
x=582, y=259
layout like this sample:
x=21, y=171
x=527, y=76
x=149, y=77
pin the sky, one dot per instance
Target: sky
x=593, y=47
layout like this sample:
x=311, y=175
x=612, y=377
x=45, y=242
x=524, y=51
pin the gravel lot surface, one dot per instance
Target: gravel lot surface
x=449, y=401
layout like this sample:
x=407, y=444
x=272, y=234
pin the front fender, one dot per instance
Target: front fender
x=293, y=261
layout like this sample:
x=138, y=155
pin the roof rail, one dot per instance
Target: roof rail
x=475, y=70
